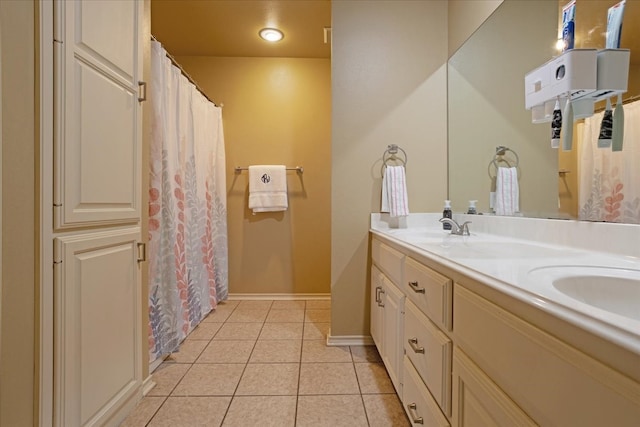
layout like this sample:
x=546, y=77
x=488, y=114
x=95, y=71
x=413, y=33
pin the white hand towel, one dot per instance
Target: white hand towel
x=394, y=192
x=507, y=191
x=268, y=188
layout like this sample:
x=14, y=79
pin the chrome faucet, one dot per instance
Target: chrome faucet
x=457, y=229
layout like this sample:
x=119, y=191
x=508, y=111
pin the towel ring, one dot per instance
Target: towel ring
x=390, y=154
x=498, y=157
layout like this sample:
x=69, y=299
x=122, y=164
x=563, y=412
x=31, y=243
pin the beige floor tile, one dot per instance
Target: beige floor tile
x=316, y=304
x=255, y=304
x=276, y=351
x=239, y=331
x=210, y=380
x=241, y=314
x=385, y=410
x=373, y=378
x=318, y=351
x=191, y=412
x=285, y=316
x=365, y=353
x=143, y=412
x=166, y=376
x=327, y=378
x=330, y=411
x=281, y=331
x=219, y=314
x=188, y=352
x=204, y=331
x=318, y=316
x=316, y=331
x=263, y=411
x=236, y=351
x=269, y=379
x=288, y=305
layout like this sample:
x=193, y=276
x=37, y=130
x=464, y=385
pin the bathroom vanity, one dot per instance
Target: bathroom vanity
x=522, y=323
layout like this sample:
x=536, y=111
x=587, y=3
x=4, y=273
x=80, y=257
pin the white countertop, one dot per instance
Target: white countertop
x=504, y=262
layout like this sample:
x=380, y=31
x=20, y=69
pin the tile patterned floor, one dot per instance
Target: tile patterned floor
x=265, y=363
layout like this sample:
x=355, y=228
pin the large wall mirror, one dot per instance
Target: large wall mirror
x=486, y=101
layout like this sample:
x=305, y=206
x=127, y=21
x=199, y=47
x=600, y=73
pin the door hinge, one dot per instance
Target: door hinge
x=142, y=252
x=142, y=91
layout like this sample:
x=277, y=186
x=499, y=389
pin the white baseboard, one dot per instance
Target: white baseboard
x=344, y=340
x=154, y=365
x=147, y=385
x=279, y=297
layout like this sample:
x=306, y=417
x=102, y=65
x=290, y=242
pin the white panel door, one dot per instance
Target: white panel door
x=97, y=178
x=97, y=144
x=98, y=326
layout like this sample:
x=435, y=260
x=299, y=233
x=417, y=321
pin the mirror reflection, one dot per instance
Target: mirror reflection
x=486, y=111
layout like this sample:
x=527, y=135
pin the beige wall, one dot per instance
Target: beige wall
x=389, y=61
x=276, y=111
x=465, y=16
x=17, y=355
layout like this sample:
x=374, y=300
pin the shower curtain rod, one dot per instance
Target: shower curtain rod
x=184, y=73
x=625, y=101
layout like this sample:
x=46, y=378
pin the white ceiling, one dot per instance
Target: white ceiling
x=230, y=27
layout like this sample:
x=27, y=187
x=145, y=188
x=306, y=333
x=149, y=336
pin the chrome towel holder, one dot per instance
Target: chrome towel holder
x=391, y=154
x=298, y=169
x=499, y=157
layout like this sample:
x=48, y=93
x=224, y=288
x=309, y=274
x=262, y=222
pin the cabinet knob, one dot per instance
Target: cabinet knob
x=413, y=342
x=415, y=419
x=416, y=289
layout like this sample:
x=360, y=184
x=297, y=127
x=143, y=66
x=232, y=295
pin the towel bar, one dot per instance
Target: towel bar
x=298, y=169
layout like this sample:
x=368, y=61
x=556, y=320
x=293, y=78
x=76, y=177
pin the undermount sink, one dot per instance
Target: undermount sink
x=616, y=290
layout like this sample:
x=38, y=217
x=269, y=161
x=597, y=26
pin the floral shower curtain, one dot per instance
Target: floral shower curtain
x=609, y=183
x=187, y=207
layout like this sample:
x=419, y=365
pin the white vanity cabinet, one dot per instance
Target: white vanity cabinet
x=553, y=382
x=387, y=310
x=474, y=356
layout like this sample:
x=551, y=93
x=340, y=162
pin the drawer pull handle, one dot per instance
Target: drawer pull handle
x=414, y=418
x=413, y=342
x=378, y=289
x=380, y=303
x=416, y=289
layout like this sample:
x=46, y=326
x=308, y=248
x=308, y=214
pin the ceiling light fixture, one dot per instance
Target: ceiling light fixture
x=271, y=34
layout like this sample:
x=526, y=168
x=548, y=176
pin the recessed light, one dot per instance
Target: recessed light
x=271, y=34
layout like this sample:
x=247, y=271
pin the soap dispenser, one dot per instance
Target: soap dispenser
x=446, y=213
x=472, y=207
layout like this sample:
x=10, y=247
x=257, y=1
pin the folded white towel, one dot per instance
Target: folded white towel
x=268, y=188
x=394, y=192
x=507, y=192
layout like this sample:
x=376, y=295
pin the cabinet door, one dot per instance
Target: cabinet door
x=478, y=402
x=376, y=307
x=98, y=122
x=98, y=368
x=392, y=334
x=97, y=183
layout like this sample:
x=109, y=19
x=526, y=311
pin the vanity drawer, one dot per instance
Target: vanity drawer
x=418, y=403
x=429, y=349
x=388, y=260
x=430, y=291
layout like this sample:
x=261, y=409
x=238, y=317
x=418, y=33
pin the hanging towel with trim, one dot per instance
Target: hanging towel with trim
x=507, y=191
x=268, y=188
x=394, y=192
